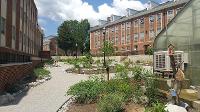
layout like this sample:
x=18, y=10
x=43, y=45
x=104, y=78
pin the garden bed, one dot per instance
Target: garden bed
x=93, y=108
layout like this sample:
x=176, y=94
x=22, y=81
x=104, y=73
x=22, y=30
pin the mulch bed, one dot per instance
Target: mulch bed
x=92, y=108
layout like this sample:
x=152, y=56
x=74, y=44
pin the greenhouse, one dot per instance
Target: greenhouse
x=184, y=33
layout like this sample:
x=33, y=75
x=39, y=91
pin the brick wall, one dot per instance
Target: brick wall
x=11, y=73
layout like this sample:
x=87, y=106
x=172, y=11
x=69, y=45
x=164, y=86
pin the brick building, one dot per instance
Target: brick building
x=50, y=45
x=20, y=40
x=135, y=32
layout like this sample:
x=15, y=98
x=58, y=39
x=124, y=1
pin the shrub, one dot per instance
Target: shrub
x=41, y=73
x=121, y=71
x=137, y=72
x=156, y=107
x=49, y=62
x=152, y=90
x=113, y=102
x=119, y=86
x=86, y=91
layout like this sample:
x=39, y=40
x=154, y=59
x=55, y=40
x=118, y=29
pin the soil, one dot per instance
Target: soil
x=92, y=108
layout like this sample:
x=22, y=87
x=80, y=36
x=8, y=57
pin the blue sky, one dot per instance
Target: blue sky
x=52, y=14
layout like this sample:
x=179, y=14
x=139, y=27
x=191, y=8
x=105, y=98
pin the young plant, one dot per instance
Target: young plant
x=86, y=91
x=113, y=102
x=121, y=71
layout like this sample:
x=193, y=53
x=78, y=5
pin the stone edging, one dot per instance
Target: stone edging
x=64, y=106
x=7, y=98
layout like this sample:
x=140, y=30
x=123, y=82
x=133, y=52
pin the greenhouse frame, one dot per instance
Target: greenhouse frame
x=184, y=33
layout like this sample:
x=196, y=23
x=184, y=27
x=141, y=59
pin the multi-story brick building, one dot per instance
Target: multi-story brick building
x=50, y=47
x=20, y=39
x=134, y=33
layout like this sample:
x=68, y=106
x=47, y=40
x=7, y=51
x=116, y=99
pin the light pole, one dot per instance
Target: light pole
x=104, y=55
x=76, y=50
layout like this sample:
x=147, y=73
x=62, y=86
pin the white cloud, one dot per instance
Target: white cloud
x=59, y=10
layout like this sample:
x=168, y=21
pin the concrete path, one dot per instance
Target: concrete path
x=47, y=97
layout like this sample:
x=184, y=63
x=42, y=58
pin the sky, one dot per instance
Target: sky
x=51, y=13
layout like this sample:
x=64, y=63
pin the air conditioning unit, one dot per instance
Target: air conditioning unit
x=162, y=60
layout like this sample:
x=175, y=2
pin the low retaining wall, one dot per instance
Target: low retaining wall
x=133, y=58
x=11, y=73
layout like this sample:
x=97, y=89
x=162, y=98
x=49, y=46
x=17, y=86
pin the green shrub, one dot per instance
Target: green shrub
x=113, y=102
x=156, y=107
x=137, y=72
x=119, y=86
x=86, y=91
x=41, y=73
x=121, y=71
x=49, y=62
x=152, y=90
x=138, y=93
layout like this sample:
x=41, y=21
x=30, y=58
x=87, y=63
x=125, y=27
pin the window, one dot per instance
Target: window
x=136, y=23
x=123, y=40
x=170, y=15
x=151, y=18
x=3, y=25
x=128, y=48
x=159, y=17
x=128, y=24
x=128, y=39
x=142, y=36
x=178, y=10
x=151, y=34
x=142, y=23
x=13, y=32
x=135, y=37
x=123, y=26
x=116, y=40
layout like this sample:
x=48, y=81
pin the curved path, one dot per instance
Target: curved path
x=47, y=97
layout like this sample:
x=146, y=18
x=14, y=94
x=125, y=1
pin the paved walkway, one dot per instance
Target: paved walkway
x=47, y=97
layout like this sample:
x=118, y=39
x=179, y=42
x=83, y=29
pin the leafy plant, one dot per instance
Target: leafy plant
x=121, y=71
x=157, y=107
x=41, y=73
x=113, y=102
x=137, y=72
x=86, y=91
x=152, y=90
x=108, y=48
x=120, y=86
x=138, y=93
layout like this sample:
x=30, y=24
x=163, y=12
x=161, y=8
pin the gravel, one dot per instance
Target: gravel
x=47, y=97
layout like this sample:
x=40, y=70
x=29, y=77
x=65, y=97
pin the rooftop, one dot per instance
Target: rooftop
x=143, y=12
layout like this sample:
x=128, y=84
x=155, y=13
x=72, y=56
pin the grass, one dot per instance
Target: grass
x=41, y=73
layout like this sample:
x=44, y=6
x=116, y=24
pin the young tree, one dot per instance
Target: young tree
x=108, y=48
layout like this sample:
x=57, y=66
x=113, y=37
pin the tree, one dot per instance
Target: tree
x=108, y=48
x=72, y=32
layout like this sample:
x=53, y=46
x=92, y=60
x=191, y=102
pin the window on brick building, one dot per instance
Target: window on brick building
x=14, y=32
x=128, y=48
x=151, y=18
x=128, y=39
x=170, y=15
x=159, y=17
x=178, y=10
x=136, y=37
x=128, y=24
x=123, y=40
x=142, y=36
x=136, y=24
x=151, y=34
x=3, y=25
x=116, y=40
x=142, y=23
x=123, y=26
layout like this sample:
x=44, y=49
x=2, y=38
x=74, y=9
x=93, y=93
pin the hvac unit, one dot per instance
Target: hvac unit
x=162, y=60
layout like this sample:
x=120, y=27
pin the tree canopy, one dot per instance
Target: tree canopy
x=73, y=32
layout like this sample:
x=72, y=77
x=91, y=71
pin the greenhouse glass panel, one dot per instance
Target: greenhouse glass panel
x=184, y=33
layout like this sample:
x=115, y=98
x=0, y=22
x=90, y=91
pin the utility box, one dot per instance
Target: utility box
x=162, y=60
